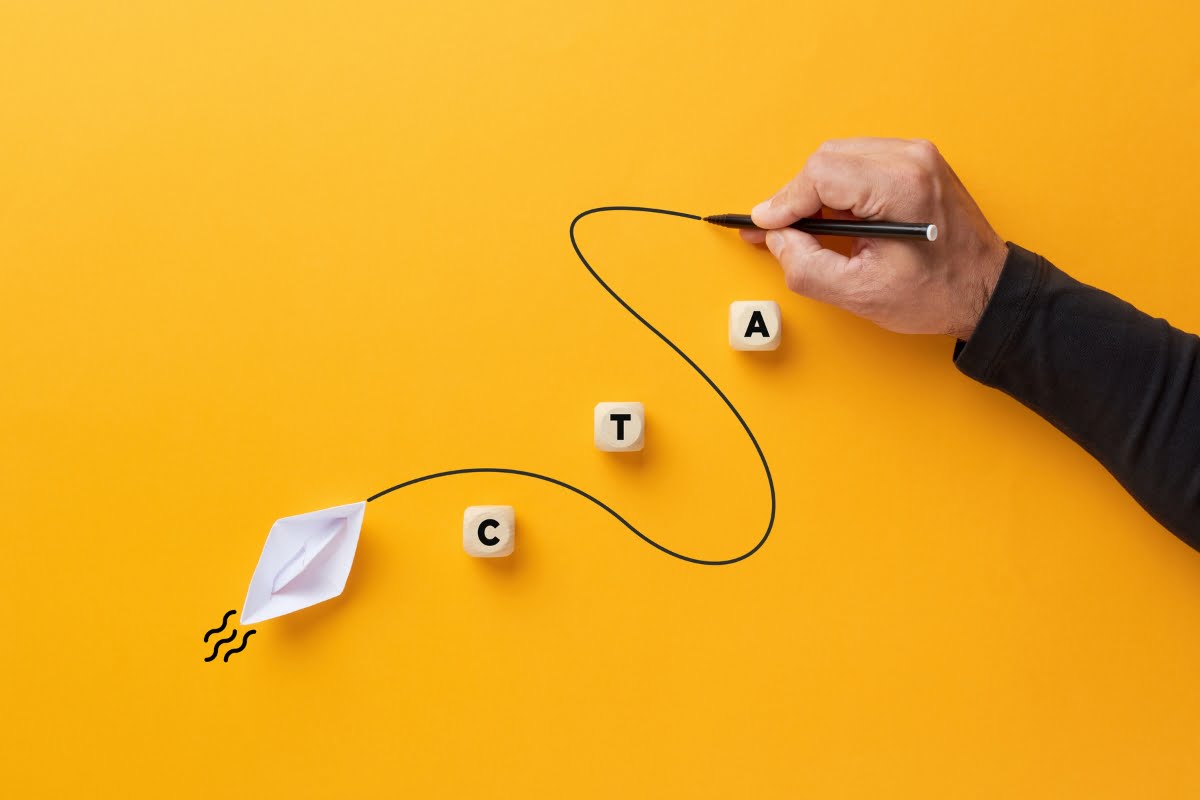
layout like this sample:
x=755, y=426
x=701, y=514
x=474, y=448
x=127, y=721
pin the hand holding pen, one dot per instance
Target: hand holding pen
x=929, y=288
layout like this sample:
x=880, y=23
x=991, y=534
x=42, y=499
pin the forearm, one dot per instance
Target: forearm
x=1122, y=384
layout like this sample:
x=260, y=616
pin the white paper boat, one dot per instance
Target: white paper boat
x=306, y=560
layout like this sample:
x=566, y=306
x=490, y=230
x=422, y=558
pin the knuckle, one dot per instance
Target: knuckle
x=869, y=203
x=817, y=163
x=824, y=160
x=925, y=152
x=826, y=173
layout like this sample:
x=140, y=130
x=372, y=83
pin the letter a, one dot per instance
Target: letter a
x=757, y=325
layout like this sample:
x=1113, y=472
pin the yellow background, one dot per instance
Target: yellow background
x=263, y=258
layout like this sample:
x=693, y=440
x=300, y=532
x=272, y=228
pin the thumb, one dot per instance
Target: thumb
x=810, y=269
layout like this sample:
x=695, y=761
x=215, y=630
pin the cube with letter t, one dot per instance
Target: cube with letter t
x=619, y=427
x=754, y=324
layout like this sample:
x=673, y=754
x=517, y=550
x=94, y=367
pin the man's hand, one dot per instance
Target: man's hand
x=901, y=285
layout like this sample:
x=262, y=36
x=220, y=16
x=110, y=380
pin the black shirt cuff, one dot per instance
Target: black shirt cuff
x=1004, y=317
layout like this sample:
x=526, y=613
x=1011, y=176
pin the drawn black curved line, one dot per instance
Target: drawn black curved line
x=224, y=620
x=690, y=363
x=241, y=646
x=220, y=642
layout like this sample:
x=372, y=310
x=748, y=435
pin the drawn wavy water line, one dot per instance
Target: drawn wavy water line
x=224, y=622
x=220, y=642
x=241, y=646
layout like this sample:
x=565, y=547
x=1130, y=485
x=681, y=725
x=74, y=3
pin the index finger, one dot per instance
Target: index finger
x=840, y=180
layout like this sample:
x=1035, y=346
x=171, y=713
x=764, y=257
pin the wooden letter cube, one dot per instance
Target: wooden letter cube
x=489, y=531
x=754, y=325
x=619, y=427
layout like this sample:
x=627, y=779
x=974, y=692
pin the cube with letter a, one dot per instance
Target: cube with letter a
x=754, y=324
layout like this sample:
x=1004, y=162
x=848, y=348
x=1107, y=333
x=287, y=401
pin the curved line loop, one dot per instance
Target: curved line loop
x=690, y=363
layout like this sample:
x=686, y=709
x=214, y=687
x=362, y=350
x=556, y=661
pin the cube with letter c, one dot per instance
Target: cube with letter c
x=489, y=531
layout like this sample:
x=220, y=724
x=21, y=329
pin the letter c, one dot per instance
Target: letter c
x=490, y=541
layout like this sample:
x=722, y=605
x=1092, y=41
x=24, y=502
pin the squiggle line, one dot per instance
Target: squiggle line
x=681, y=354
x=241, y=646
x=217, y=646
x=224, y=620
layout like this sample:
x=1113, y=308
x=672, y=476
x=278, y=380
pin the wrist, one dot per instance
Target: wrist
x=983, y=276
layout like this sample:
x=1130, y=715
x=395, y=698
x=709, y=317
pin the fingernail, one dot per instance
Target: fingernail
x=774, y=242
x=761, y=208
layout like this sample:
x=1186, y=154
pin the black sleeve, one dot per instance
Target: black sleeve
x=1122, y=384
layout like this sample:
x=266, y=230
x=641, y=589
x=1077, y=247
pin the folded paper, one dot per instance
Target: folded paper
x=305, y=561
